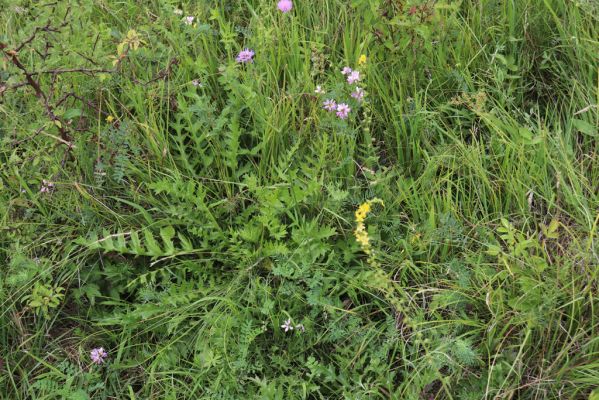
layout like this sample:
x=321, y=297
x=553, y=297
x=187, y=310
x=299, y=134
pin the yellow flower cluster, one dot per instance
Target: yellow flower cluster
x=362, y=59
x=360, y=233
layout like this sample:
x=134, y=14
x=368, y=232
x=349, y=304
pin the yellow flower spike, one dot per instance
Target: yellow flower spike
x=360, y=233
x=362, y=59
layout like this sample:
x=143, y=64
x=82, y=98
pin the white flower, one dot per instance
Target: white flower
x=196, y=82
x=287, y=325
x=300, y=327
x=319, y=90
x=189, y=20
x=178, y=11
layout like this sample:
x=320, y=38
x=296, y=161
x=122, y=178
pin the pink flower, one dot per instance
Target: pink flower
x=343, y=110
x=346, y=70
x=319, y=90
x=358, y=94
x=245, y=56
x=329, y=105
x=285, y=5
x=98, y=355
x=353, y=77
x=47, y=186
x=189, y=20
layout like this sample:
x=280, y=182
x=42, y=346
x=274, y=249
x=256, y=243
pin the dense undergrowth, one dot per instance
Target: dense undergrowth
x=183, y=210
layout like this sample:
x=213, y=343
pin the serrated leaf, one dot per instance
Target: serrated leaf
x=553, y=225
x=153, y=247
x=121, y=244
x=167, y=233
x=185, y=242
x=136, y=245
x=106, y=242
x=584, y=127
x=493, y=250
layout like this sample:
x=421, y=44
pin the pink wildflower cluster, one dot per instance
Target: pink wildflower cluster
x=245, y=56
x=285, y=6
x=330, y=105
x=47, y=186
x=358, y=94
x=98, y=355
x=342, y=110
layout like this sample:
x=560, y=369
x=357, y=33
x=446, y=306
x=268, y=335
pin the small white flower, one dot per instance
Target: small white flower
x=178, y=11
x=189, y=20
x=300, y=327
x=319, y=90
x=287, y=325
x=196, y=82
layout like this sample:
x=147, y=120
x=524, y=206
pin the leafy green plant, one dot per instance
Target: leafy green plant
x=194, y=217
x=43, y=298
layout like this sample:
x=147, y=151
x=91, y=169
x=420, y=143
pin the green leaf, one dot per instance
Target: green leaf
x=185, y=242
x=493, y=250
x=136, y=243
x=584, y=127
x=167, y=233
x=72, y=113
x=79, y=395
x=153, y=247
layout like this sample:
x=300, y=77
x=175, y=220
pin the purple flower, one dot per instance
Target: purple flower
x=285, y=5
x=358, y=94
x=329, y=105
x=189, y=20
x=346, y=71
x=245, y=56
x=287, y=326
x=353, y=77
x=47, y=186
x=343, y=110
x=98, y=355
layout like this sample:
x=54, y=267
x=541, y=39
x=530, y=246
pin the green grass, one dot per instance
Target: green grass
x=181, y=234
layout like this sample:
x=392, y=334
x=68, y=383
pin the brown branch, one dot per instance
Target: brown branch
x=81, y=99
x=90, y=71
x=12, y=56
x=5, y=88
x=46, y=28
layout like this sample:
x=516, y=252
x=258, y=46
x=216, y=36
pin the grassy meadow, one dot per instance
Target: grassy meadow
x=317, y=199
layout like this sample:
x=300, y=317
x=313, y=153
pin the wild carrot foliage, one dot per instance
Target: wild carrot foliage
x=191, y=199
